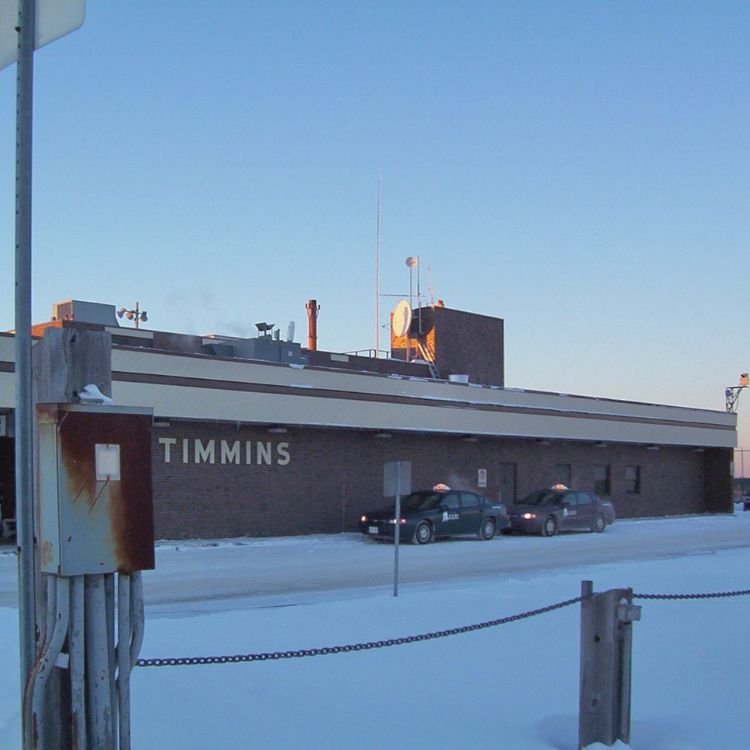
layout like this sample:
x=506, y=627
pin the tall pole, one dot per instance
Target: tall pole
x=419, y=301
x=23, y=415
x=377, y=273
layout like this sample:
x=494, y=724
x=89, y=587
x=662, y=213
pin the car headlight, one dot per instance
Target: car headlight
x=392, y=521
x=363, y=519
x=529, y=516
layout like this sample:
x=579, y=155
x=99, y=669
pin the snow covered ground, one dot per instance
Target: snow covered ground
x=514, y=686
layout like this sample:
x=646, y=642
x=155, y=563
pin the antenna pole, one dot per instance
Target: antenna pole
x=377, y=272
x=419, y=300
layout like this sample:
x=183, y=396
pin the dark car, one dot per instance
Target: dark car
x=428, y=514
x=546, y=512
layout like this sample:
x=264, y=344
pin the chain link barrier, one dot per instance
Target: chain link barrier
x=368, y=646
x=189, y=661
x=716, y=595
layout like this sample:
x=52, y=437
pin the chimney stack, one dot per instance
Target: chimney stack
x=312, y=307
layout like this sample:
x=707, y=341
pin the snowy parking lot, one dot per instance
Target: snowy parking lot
x=512, y=686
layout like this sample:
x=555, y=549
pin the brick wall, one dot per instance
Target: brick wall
x=462, y=343
x=332, y=476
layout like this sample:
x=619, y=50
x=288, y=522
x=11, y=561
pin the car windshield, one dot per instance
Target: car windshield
x=542, y=497
x=426, y=500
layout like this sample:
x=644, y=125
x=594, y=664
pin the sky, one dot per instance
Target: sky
x=514, y=685
x=576, y=168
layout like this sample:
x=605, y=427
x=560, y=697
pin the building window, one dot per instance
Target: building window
x=633, y=480
x=563, y=474
x=602, y=480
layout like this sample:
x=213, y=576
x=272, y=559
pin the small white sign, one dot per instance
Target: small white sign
x=54, y=19
x=481, y=478
x=107, y=462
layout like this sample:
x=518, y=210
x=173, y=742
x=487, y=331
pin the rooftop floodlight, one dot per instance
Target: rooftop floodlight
x=732, y=393
x=137, y=315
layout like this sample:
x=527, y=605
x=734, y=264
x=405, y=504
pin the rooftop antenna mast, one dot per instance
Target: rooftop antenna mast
x=377, y=273
x=413, y=262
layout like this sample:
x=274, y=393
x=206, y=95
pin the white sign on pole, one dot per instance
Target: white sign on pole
x=396, y=478
x=54, y=19
x=396, y=482
x=482, y=478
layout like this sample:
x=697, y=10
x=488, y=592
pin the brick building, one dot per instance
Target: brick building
x=261, y=436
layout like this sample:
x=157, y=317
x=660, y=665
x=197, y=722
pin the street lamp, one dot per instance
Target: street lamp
x=136, y=315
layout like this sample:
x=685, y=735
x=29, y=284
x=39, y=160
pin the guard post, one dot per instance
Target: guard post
x=606, y=653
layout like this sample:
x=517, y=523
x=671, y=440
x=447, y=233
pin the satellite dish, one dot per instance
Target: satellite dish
x=401, y=318
x=290, y=331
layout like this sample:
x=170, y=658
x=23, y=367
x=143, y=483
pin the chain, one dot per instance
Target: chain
x=368, y=646
x=717, y=595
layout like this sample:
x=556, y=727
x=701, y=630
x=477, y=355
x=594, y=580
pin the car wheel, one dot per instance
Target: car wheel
x=549, y=528
x=487, y=529
x=423, y=533
x=599, y=524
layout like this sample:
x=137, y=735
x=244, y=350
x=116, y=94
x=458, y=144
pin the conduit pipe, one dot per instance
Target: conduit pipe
x=58, y=590
x=138, y=616
x=124, y=637
x=77, y=649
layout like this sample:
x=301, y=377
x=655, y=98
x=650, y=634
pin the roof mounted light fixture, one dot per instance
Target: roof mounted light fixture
x=732, y=393
x=264, y=329
x=137, y=315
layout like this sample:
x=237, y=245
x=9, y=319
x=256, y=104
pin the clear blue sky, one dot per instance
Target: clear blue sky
x=579, y=169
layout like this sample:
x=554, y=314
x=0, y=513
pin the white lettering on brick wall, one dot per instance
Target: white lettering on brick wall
x=197, y=451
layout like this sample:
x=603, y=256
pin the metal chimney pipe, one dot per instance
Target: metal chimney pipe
x=312, y=308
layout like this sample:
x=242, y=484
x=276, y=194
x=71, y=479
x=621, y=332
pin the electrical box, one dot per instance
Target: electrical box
x=94, y=478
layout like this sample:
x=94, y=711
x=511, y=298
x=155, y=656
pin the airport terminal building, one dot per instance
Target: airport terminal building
x=261, y=436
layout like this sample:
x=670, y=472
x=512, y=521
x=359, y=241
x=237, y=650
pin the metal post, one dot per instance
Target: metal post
x=23, y=413
x=99, y=701
x=77, y=648
x=124, y=638
x=396, y=534
x=396, y=480
x=110, y=606
x=605, y=681
x=411, y=310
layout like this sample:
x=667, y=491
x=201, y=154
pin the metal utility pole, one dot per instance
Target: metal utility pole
x=58, y=19
x=23, y=414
